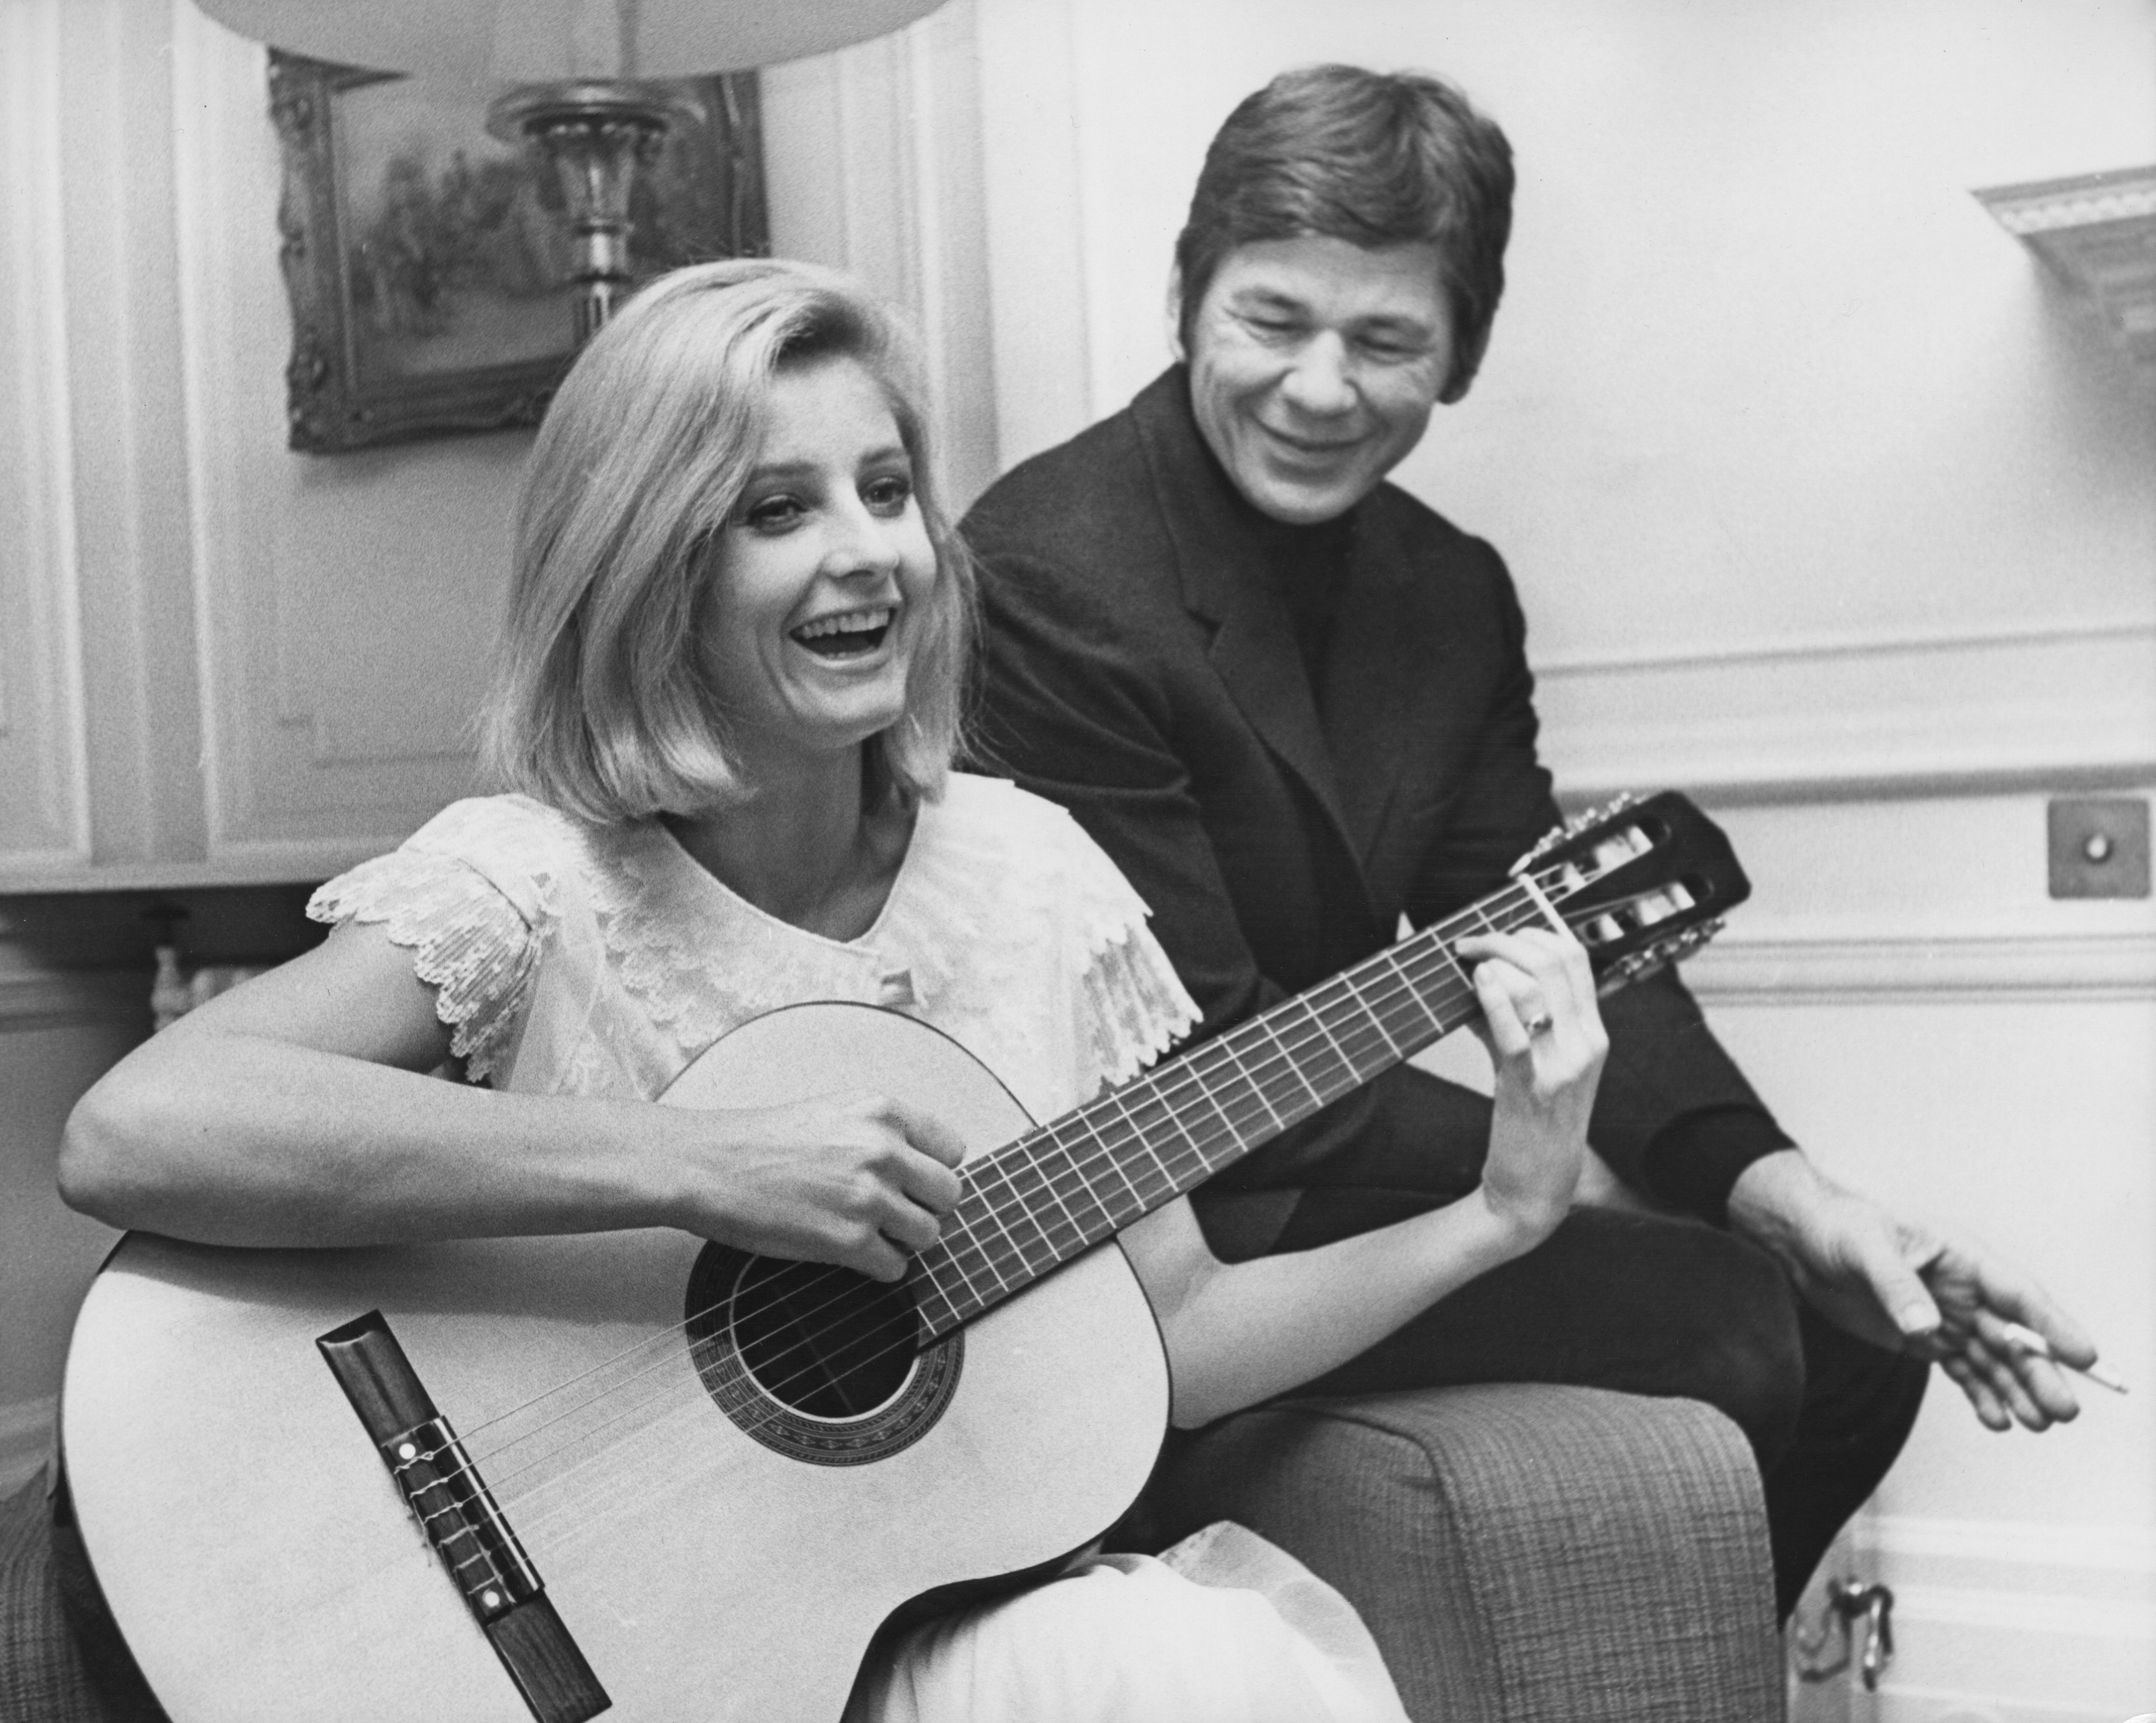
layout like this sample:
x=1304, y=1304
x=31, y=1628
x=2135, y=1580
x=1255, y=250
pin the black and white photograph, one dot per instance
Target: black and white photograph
x=1084, y=861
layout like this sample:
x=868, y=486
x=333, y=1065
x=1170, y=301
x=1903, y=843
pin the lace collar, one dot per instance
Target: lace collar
x=701, y=959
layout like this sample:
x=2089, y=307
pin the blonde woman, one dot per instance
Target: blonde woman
x=728, y=705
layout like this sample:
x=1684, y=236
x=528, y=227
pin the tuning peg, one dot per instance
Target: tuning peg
x=1572, y=828
x=1608, y=810
x=1593, y=817
x=1549, y=840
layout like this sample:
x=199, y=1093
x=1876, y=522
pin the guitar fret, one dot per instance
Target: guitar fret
x=1076, y=1193
x=1333, y=1072
x=923, y=1272
x=1409, y=1001
x=1370, y=1016
x=998, y=1209
x=1242, y=1091
x=1257, y=1087
x=970, y=1237
x=1294, y=1070
x=1367, y=1049
x=1195, y=1097
x=1147, y=1200
x=1085, y=1155
x=1444, y=949
x=1029, y=1181
x=954, y=1237
x=1154, y=1117
x=1441, y=988
x=963, y=1303
x=1225, y=1120
x=1175, y=1117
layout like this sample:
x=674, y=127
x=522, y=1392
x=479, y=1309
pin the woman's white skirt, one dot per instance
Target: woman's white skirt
x=1224, y=1627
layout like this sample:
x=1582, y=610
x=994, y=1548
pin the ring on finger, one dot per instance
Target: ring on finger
x=1538, y=1024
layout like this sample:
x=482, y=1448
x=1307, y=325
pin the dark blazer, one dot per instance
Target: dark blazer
x=1140, y=667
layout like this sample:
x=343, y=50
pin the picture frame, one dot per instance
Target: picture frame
x=423, y=258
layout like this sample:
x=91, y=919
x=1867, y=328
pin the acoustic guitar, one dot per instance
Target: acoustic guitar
x=518, y=1478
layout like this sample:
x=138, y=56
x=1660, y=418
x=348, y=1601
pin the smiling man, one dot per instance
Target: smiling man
x=1293, y=703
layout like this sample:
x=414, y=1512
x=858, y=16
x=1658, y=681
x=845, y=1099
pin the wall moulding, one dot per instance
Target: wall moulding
x=2025, y=969
x=44, y=812
x=2054, y=1597
x=2070, y=706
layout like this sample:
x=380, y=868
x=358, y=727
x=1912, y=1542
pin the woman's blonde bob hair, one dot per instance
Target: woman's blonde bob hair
x=600, y=704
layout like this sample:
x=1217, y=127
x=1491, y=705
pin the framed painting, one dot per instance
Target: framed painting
x=424, y=258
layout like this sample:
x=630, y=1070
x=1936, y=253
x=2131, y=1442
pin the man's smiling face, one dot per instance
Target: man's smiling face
x=1314, y=364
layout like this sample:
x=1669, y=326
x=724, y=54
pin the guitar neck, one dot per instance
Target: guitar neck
x=1064, y=1186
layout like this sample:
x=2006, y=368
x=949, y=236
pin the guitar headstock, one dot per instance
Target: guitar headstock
x=1641, y=882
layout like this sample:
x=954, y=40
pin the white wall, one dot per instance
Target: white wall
x=1827, y=503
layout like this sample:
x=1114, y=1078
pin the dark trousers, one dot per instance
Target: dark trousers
x=1642, y=1304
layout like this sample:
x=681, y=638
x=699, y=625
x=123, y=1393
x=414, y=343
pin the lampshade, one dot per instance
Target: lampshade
x=535, y=41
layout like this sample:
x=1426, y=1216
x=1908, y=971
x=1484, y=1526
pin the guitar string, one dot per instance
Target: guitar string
x=1257, y=1076
x=1254, y=1079
x=1397, y=980
x=688, y=1400
x=1395, y=983
x=833, y=1360
x=987, y=1164
x=1400, y=986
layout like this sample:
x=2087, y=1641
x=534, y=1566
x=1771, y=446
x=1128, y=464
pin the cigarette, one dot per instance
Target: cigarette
x=2028, y=1341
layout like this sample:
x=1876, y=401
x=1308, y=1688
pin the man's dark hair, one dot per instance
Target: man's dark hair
x=1373, y=158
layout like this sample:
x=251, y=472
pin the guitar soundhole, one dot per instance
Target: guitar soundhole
x=823, y=1341
x=813, y=1361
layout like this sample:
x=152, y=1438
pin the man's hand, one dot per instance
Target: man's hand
x=1904, y=1288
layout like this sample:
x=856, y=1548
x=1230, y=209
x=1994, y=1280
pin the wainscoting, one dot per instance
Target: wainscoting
x=2044, y=1611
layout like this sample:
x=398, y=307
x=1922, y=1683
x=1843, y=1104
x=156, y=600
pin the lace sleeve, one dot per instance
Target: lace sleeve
x=471, y=938
x=1135, y=1007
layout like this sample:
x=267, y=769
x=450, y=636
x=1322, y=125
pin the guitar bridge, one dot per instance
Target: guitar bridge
x=458, y=1513
x=446, y=1494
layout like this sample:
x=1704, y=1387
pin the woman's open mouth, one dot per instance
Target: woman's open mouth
x=850, y=634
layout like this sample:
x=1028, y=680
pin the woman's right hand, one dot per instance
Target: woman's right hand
x=861, y=1180
x=1546, y=1043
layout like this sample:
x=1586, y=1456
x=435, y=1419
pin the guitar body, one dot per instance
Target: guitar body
x=714, y=1548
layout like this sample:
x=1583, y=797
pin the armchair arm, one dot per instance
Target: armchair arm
x=1521, y=1553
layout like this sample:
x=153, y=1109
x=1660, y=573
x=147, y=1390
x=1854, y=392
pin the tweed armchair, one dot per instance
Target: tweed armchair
x=1521, y=1554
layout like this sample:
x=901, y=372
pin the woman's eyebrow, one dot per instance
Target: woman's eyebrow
x=766, y=471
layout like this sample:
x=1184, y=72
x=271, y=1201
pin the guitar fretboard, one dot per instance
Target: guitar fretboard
x=1064, y=1187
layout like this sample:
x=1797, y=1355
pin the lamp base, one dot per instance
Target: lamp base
x=595, y=132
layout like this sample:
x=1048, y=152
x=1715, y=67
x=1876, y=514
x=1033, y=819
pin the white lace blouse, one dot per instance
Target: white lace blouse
x=574, y=957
